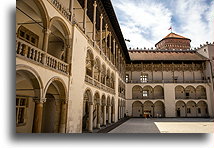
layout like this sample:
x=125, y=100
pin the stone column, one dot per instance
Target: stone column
x=94, y=20
x=62, y=125
x=90, y=126
x=101, y=31
x=71, y=8
x=45, y=39
x=113, y=114
x=106, y=40
x=104, y=115
x=84, y=16
x=109, y=46
x=109, y=114
x=118, y=112
x=37, y=122
x=114, y=46
x=98, y=115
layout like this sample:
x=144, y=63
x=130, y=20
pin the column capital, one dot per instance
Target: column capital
x=114, y=40
x=95, y=4
x=106, y=26
x=101, y=16
x=37, y=100
x=46, y=30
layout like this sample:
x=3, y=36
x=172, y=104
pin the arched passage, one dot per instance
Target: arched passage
x=148, y=109
x=159, y=109
x=89, y=63
x=201, y=92
x=97, y=69
x=96, y=111
x=55, y=107
x=180, y=109
x=137, y=92
x=137, y=109
x=191, y=109
x=179, y=92
x=28, y=88
x=190, y=92
x=86, y=102
x=202, y=109
x=158, y=92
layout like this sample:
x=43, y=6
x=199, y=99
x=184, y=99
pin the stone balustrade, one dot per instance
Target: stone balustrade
x=191, y=98
x=98, y=85
x=32, y=53
x=167, y=81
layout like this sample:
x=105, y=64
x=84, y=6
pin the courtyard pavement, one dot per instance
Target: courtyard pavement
x=166, y=125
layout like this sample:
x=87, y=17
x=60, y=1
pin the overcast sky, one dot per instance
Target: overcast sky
x=145, y=22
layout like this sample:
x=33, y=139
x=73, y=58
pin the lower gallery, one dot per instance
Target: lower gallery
x=74, y=73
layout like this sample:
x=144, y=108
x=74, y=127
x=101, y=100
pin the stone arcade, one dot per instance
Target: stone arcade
x=74, y=73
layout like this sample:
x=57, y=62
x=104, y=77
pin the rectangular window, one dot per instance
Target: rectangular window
x=145, y=93
x=199, y=110
x=187, y=94
x=188, y=110
x=144, y=78
x=21, y=105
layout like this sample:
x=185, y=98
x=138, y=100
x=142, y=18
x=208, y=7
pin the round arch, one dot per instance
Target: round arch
x=159, y=109
x=191, y=109
x=180, y=109
x=202, y=109
x=179, y=92
x=137, y=109
x=137, y=92
x=158, y=92
x=148, y=109
x=201, y=92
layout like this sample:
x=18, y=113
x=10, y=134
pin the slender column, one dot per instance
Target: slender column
x=118, y=112
x=121, y=112
x=113, y=114
x=106, y=40
x=45, y=39
x=114, y=46
x=109, y=114
x=63, y=116
x=104, y=115
x=101, y=31
x=90, y=126
x=37, y=122
x=110, y=46
x=71, y=8
x=84, y=16
x=99, y=116
x=94, y=20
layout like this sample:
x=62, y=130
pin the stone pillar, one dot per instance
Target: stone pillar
x=109, y=114
x=101, y=31
x=114, y=46
x=62, y=125
x=98, y=115
x=90, y=126
x=94, y=20
x=45, y=39
x=37, y=122
x=71, y=8
x=106, y=40
x=104, y=115
x=118, y=112
x=113, y=114
x=109, y=46
x=84, y=16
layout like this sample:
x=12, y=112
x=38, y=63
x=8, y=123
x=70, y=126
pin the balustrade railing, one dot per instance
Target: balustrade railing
x=99, y=85
x=167, y=81
x=26, y=50
x=148, y=98
x=191, y=98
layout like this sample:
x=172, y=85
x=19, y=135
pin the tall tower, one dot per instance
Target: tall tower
x=173, y=41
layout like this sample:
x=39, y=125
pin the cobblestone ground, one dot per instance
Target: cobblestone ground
x=166, y=125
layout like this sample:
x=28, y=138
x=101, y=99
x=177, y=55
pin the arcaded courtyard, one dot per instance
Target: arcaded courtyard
x=166, y=125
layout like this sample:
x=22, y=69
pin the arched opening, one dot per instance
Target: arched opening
x=148, y=109
x=31, y=19
x=103, y=74
x=137, y=92
x=137, y=109
x=180, y=109
x=113, y=109
x=103, y=110
x=201, y=92
x=180, y=92
x=86, y=102
x=28, y=88
x=190, y=92
x=96, y=110
x=97, y=69
x=202, y=109
x=54, y=110
x=159, y=109
x=158, y=92
x=108, y=110
x=148, y=92
x=191, y=109
x=108, y=79
x=58, y=39
x=89, y=63
x=112, y=81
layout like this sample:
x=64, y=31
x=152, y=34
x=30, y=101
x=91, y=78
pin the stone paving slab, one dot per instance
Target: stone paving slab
x=166, y=125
